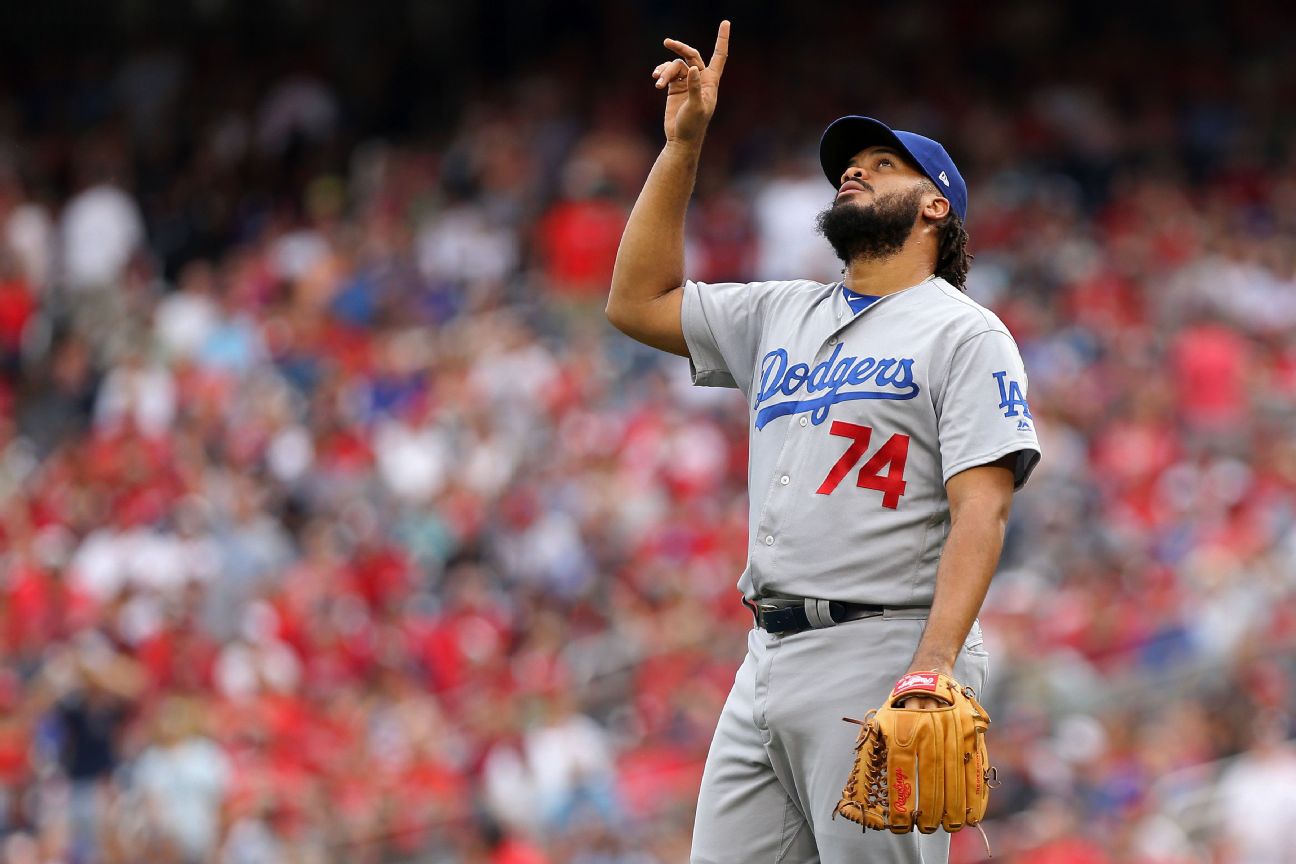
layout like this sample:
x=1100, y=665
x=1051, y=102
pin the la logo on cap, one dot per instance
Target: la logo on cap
x=944, y=178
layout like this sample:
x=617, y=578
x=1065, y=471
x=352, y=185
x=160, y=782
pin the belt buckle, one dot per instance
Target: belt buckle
x=817, y=612
x=779, y=613
x=772, y=604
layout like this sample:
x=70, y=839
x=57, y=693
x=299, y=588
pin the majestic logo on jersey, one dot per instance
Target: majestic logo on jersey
x=836, y=379
x=1011, y=397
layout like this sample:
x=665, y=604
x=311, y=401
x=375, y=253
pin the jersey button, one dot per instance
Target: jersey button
x=769, y=540
x=803, y=421
x=832, y=341
x=785, y=479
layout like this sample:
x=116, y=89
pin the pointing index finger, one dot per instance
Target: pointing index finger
x=687, y=53
x=721, y=52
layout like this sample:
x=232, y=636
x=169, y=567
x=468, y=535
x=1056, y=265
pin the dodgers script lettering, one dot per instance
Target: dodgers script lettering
x=834, y=380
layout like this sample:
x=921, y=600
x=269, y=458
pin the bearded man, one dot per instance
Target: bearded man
x=889, y=428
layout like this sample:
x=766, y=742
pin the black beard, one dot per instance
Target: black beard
x=871, y=231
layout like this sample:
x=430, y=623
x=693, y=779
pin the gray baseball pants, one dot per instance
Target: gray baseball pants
x=781, y=753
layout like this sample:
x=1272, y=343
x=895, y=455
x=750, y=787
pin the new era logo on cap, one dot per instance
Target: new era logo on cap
x=847, y=136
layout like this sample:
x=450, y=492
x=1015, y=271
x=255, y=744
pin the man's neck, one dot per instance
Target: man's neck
x=882, y=276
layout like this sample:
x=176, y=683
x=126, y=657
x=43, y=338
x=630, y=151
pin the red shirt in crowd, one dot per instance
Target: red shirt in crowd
x=578, y=242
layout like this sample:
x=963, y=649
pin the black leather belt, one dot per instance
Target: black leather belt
x=790, y=614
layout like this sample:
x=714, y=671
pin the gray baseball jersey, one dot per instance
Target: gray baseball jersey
x=857, y=422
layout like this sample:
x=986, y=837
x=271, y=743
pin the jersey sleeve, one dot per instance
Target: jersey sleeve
x=722, y=329
x=982, y=411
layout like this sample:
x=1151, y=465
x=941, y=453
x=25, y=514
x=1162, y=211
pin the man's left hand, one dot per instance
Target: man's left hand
x=924, y=703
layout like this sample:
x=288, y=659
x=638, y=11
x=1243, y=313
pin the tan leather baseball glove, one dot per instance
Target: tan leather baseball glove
x=923, y=768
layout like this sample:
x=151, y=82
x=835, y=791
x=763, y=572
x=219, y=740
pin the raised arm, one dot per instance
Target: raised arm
x=647, y=282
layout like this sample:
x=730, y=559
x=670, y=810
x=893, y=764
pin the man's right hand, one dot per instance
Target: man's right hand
x=691, y=88
x=647, y=294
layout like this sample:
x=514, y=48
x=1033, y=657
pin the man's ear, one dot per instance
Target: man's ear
x=935, y=207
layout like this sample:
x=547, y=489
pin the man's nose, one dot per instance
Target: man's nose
x=852, y=173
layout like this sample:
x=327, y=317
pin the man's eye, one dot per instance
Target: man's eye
x=886, y=162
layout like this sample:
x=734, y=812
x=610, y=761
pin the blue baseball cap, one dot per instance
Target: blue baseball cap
x=847, y=136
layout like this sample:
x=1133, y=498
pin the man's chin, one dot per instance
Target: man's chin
x=855, y=203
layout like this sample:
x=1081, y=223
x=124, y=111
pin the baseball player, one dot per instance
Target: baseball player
x=889, y=427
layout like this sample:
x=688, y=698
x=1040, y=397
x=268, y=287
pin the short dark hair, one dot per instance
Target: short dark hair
x=952, y=257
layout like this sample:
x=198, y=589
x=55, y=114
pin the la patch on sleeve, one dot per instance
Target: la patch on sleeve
x=1012, y=401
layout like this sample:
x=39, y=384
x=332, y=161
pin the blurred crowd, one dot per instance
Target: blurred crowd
x=336, y=524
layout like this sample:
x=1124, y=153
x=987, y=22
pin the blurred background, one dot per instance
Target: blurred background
x=337, y=525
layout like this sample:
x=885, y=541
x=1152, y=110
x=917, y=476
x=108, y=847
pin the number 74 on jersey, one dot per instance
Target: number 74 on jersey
x=884, y=470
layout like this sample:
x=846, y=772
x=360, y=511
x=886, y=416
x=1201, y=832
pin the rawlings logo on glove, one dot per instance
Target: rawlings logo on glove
x=903, y=789
x=925, y=681
x=920, y=768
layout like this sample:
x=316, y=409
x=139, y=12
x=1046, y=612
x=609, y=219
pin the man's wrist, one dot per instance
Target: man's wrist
x=926, y=664
x=679, y=148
